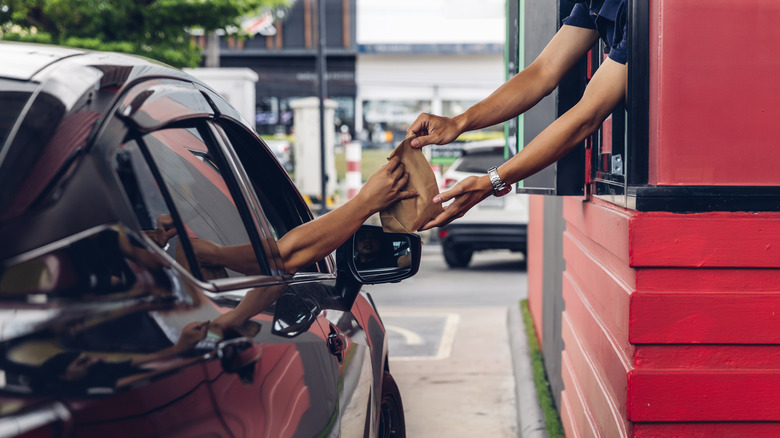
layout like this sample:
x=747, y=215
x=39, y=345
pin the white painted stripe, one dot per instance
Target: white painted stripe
x=411, y=337
x=447, y=338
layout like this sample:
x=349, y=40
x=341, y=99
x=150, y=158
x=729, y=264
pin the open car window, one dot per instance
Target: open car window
x=279, y=200
x=206, y=212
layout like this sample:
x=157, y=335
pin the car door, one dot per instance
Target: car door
x=349, y=357
x=113, y=327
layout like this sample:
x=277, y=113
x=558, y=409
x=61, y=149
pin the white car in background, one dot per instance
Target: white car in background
x=494, y=223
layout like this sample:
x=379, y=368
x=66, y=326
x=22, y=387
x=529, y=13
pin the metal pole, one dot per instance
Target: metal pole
x=321, y=71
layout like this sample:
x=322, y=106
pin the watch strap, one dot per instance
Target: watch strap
x=499, y=187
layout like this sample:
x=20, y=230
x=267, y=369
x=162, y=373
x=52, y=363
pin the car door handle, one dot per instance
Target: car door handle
x=337, y=344
x=238, y=355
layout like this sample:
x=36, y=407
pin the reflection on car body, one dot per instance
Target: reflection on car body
x=113, y=169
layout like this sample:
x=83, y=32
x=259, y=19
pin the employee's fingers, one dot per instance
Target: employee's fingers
x=447, y=216
x=449, y=194
x=419, y=126
x=422, y=141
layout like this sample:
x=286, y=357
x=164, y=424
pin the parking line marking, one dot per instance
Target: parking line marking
x=447, y=338
x=411, y=337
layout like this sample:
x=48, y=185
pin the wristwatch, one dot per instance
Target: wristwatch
x=499, y=187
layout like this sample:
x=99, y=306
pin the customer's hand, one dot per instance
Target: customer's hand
x=386, y=186
x=431, y=129
x=164, y=232
x=207, y=253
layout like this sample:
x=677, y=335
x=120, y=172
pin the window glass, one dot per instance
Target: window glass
x=200, y=196
x=281, y=203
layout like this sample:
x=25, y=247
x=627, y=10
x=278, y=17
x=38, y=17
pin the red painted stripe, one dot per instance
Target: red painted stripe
x=353, y=166
x=674, y=395
x=607, y=411
x=708, y=280
x=567, y=418
x=714, y=318
x=616, y=266
x=725, y=357
x=604, y=390
x=581, y=420
x=706, y=430
x=606, y=224
x=609, y=298
x=717, y=240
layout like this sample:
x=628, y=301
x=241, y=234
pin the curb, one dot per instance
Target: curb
x=530, y=419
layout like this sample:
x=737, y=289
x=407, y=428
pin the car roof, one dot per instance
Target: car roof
x=22, y=61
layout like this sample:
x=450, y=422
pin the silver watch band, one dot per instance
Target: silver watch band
x=498, y=184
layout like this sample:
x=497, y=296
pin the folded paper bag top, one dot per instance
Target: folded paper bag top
x=409, y=215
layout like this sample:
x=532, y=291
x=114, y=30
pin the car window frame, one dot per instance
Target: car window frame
x=227, y=174
x=227, y=126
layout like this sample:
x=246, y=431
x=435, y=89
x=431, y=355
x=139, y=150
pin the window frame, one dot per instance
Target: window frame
x=228, y=129
x=228, y=175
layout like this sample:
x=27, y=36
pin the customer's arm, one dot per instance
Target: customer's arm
x=313, y=240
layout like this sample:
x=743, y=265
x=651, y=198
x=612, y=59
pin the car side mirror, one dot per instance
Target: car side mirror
x=372, y=256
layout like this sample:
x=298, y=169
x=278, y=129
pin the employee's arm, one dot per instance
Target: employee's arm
x=603, y=93
x=515, y=96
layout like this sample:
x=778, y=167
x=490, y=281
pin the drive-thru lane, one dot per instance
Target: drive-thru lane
x=450, y=351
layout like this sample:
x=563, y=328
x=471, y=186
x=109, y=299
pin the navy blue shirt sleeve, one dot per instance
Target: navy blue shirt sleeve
x=580, y=17
x=619, y=50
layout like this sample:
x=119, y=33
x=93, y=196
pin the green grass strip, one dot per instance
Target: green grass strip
x=551, y=416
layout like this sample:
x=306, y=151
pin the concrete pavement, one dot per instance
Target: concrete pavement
x=484, y=387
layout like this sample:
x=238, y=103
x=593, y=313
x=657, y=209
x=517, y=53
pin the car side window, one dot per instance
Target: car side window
x=191, y=175
x=280, y=201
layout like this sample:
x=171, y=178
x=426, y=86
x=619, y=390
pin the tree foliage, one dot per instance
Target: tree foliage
x=158, y=29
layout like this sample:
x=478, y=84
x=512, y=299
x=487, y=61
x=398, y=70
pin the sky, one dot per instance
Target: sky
x=430, y=21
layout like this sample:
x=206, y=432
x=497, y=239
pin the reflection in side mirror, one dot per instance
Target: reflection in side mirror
x=379, y=257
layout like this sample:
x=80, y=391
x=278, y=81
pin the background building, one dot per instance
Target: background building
x=442, y=58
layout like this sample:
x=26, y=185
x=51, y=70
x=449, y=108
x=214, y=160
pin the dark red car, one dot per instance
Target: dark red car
x=110, y=326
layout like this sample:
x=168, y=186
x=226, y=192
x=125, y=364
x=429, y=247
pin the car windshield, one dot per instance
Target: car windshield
x=481, y=160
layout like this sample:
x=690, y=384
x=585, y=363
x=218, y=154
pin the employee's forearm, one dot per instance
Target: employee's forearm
x=550, y=145
x=511, y=99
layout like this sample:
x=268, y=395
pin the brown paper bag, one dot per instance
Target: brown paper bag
x=409, y=215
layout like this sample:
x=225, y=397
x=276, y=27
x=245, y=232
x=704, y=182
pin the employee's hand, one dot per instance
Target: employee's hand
x=431, y=129
x=465, y=195
x=386, y=186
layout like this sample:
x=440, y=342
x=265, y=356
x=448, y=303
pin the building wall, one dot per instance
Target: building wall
x=713, y=100
x=671, y=324
x=597, y=286
x=535, y=262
